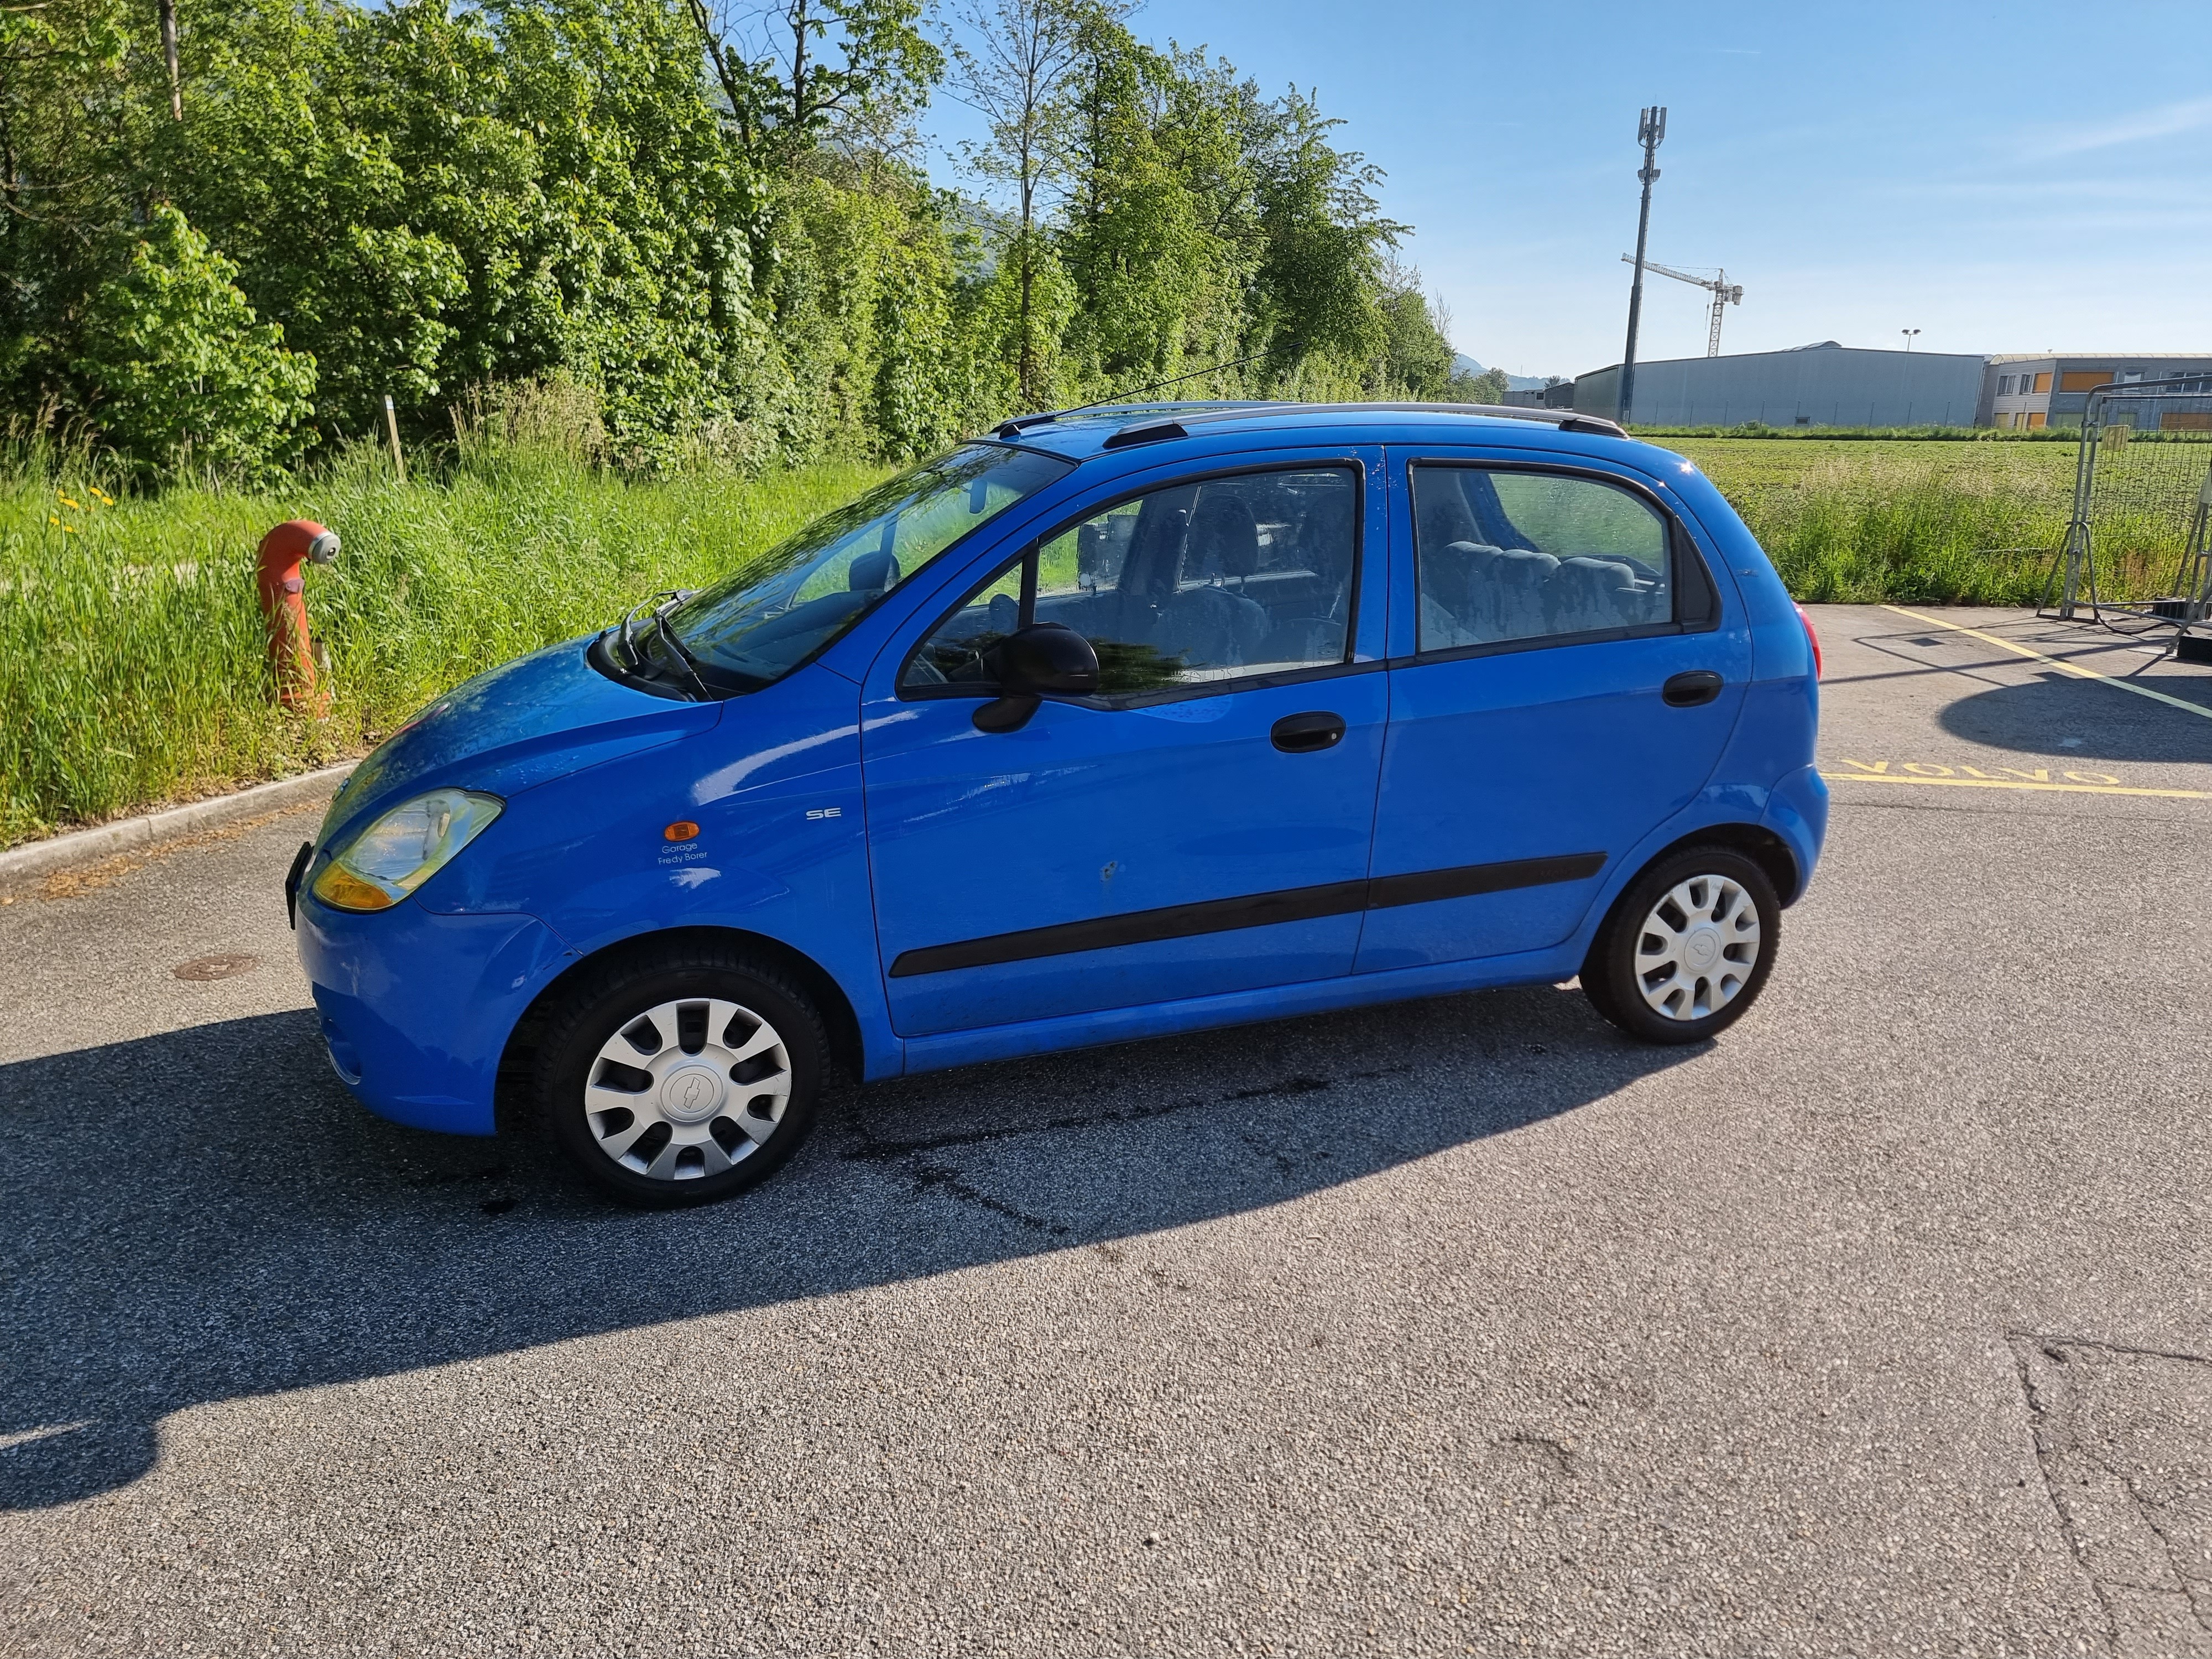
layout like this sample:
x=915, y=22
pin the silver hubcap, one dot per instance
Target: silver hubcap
x=688, y=1089
x=1697, y=947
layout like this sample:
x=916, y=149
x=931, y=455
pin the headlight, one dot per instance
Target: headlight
x=404, y=847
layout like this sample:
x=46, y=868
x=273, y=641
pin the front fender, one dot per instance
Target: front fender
x=780, y=848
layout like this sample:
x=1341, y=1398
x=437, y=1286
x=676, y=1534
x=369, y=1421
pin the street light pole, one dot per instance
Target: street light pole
x=1908, y=333
x=1651, y=129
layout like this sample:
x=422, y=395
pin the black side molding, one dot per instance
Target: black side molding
x=1387, y=892
x=1256, y=911
x=1139, y=928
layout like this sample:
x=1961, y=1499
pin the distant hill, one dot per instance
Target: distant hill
x=1467, y=365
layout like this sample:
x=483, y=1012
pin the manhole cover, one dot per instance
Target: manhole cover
x=228, y=966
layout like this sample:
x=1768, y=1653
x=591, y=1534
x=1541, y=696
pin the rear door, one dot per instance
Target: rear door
x=1203, y=824
x=1575, y=672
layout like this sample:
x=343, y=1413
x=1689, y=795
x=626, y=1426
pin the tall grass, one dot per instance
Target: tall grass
x=133, y=665
x=1860, y=521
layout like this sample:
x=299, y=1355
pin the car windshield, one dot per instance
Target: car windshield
x=756, y=627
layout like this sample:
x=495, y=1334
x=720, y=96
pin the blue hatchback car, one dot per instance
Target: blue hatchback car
x=1115, y=723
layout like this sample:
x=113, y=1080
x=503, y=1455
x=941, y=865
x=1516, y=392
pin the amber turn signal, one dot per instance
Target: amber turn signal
x=340, y=886
x=682, y=829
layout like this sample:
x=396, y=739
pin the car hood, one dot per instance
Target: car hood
x=523, y=723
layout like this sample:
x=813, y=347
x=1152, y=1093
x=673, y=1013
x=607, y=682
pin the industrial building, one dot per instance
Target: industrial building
x=1822, y=385
x=2024, y=391
x=1833, y=384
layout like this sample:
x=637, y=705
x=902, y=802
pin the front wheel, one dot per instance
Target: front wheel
x=681, y=1080
x=1687, y=948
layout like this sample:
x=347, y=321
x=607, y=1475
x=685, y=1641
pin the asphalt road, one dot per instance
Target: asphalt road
x=1881, y=1326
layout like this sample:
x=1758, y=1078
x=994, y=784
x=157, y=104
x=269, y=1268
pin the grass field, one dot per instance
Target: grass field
x=1861, y=520
x=132, y=651
x=1858, y=521
x=132, y=667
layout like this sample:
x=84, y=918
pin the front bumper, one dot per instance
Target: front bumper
x=415, y=1007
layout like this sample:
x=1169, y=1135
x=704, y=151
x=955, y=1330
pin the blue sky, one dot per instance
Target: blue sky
x=2004, y=178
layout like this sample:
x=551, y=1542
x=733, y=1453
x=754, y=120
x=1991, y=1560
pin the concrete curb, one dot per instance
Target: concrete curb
x=83, y=846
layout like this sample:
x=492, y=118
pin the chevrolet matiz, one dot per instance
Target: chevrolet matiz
x=1113, y=723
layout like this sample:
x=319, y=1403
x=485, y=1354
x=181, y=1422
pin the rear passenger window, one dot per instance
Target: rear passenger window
x=1518, y=556
x=1201, y=583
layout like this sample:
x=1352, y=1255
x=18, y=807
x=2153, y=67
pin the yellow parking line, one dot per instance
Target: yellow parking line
x=2056, y=662
x=2007, y=783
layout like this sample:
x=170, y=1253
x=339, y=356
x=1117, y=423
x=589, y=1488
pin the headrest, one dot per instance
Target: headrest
x=1225, y=538
x=1475, y=555
x=1607, y=574
x=1524, y=565
x=872, y=572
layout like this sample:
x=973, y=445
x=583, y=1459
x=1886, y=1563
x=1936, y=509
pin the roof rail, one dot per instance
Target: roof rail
x=1162, y=417
x=1566, y=420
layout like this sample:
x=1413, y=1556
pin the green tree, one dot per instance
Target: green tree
x=708, y=220
x=1418, y=361
x=184, y=375
x=1319, y=285
x=1488, y=388
x=798, y=72
x=1155, y=284
x=1017, y=73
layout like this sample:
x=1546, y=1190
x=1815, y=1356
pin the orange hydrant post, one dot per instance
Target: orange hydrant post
x=284, y=605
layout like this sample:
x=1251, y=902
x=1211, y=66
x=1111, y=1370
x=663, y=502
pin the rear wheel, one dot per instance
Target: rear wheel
x=683, y=1079
x=1687, y=948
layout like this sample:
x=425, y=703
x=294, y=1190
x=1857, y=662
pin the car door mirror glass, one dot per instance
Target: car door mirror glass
x=1045, y=659
x=1048, y=659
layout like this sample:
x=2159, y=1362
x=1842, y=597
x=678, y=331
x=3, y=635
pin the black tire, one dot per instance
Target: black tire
x=1620, y=957
x=615, y=1006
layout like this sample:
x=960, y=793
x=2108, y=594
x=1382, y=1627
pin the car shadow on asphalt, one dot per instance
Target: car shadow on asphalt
x=2037, y=715
x=206, y=1215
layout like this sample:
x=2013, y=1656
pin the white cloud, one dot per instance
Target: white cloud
x=2163, y=122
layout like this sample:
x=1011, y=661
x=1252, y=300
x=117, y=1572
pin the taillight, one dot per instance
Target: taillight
x=1813, y=637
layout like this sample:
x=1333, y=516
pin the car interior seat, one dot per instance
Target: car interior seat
x=1460, y=577
x=1211, y=626
x=1586, y=594
x=1520, y=576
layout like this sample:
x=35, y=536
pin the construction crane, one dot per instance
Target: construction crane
x=1724, y=293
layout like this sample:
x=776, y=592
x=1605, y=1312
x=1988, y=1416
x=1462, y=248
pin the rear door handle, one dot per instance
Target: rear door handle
x=1307, y=734
x=1688, y=690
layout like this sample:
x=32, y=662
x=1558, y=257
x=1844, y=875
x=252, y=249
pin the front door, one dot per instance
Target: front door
x=1203, y=824
x=1576, y=674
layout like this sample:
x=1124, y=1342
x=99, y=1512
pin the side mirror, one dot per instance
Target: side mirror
x=1045, y=659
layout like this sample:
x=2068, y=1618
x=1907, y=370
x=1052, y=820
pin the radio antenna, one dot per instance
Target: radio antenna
x=1011, y=428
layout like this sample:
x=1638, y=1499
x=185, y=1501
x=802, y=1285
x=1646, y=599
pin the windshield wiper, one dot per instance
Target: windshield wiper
x=683, y=653
x=640, y=666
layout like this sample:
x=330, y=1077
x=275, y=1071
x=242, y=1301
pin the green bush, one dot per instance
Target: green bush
x=181, y=375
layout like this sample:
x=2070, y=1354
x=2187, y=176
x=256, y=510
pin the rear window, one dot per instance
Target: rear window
x=1504, y=557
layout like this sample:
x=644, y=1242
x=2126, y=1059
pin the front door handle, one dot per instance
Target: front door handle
x=1307, y=734
x=1700, y=685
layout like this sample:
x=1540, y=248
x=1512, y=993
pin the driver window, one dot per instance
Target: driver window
x=1197, y=584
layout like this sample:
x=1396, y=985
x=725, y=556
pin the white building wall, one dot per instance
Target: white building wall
x=1817, y=385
